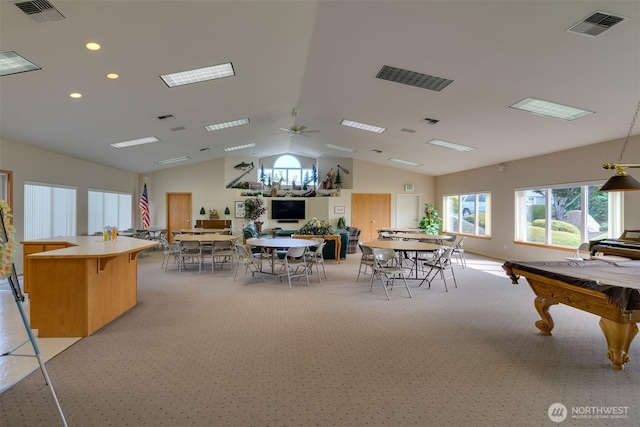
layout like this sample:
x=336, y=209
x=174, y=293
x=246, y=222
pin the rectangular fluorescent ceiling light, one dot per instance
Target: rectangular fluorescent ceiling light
x=451, y=145
x=199, y=75
x=226, y=125
x=12, y=63
x=362, y=126
x=550, y=109
x=411, y=78
x=404, y=162
x=147, y=140
x=240, y=147
x=174, y=160
x=338, y=147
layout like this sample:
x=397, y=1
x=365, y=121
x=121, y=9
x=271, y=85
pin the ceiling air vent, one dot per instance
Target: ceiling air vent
x=412, y=78
x=40, y=11
x=595, y=24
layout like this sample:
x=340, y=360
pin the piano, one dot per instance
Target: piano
x=628, y=245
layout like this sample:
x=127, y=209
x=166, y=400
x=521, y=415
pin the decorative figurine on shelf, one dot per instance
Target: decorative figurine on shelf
x=327, y=183
x=263, y=176
x=314, y=176
x=338, y=180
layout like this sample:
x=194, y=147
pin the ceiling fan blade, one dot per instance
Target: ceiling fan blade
x=286, y=130
x=300, y=128
x=311, y=131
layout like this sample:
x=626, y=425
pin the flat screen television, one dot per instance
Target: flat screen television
x=287, y=209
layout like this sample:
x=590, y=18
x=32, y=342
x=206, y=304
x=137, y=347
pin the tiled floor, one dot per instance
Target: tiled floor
x=13, y=333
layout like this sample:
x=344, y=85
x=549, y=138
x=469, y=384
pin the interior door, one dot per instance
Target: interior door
x=370, y=211
x=178, y=212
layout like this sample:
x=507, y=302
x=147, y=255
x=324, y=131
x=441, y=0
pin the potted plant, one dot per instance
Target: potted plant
x=253, y=209
x=213, y=214
x=316, y=227
x=431, y=221
x=227, y=212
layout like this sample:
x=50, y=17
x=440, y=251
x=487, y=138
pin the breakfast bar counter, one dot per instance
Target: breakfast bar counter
x=78, y=284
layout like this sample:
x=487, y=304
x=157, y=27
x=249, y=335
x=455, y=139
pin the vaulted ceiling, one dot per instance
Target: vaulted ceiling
x=320, y=58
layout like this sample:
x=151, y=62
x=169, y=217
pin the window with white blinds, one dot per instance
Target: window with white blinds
x=109, y=209
x=49, y=211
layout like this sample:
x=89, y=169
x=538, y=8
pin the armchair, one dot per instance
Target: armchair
x=354, y=236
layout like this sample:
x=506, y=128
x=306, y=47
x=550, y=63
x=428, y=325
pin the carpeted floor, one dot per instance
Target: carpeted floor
x=203, y=350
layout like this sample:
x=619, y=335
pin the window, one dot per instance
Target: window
x=108, y=208
x=467, y=214
x=288, y=170
x=49, y=211
x=567, y=215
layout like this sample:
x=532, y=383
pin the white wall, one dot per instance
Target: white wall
x=576, y=165
x=35, y=165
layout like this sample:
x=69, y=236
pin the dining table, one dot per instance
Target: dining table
x=402, y=230
x=405, y=246
x=201, y=230
x=205, y=238
x=420, y=236
x=279, y=244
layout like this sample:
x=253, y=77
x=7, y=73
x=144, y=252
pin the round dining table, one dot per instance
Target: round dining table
x=405, y=246
x=279, y=244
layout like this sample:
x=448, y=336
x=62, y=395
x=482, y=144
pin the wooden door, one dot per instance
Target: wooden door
x=178, y=212
x=369, y=212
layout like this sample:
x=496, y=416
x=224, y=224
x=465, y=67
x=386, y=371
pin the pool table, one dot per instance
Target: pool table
x=607, y=289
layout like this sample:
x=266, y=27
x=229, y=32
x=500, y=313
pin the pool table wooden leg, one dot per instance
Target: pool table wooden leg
x=619, y=337
x=546, y=324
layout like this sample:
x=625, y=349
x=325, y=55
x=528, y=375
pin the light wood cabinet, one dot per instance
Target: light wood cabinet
x=213, y=223
x=29, y=248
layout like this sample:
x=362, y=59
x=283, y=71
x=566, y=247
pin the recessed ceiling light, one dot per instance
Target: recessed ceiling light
x=112, y=76
x=550, y=109
x=226, y=125
x=362, y=126
x=451, y=145
x=199, y=75
x=93, y=46
x=75, y=95
x=404, y=162
x=174, y=160
x=240, y=147
x=338, y=147
x=131, y=143
x=12, y=63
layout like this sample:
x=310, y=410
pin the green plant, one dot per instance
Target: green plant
x=316, y=227
x=227, y=211
x=342, y=222
x=254, y=208
x=431, y=221
x=557, y=226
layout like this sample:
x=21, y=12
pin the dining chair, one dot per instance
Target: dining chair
x=251, y=263
x=387, y=268
x=315, y=257
x=190, y=252
x=295, y=264
x=207, y=253
x=223, y=252
x=458, y=250
x=441, y=265
x=582, y=253
x=366, y=260
x=169, y=250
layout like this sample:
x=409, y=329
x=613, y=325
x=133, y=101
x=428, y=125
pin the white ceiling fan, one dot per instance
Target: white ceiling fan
x=299, y=130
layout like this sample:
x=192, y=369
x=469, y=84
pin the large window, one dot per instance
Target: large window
x=467, y=214
x=108, y=208
x=49, y=211
x=286, y=169
x=567, y=215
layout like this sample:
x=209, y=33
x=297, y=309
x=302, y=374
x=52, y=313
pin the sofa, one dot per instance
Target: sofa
x=250, y=232
x=354, y=236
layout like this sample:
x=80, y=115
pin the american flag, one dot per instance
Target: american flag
x=144, y=207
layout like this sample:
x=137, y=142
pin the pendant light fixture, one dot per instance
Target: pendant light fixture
x=621, y=181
